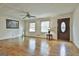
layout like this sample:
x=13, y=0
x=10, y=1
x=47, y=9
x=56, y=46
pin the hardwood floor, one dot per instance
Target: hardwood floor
x=36, y=47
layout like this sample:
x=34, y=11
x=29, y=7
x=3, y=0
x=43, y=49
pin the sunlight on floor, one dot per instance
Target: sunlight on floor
x=44, y=48
x=32, y=45
x=62, y=50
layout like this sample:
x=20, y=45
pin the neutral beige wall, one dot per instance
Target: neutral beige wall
x=76, y=27
x=53, y=24
x=9, y=33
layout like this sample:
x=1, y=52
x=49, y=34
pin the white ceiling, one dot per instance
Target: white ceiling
x=18, y=10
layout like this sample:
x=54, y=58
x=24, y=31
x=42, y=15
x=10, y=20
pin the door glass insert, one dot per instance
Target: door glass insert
x=63, y=27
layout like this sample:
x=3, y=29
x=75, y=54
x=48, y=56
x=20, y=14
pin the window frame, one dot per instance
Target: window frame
x=41, y=26
x=30, y=27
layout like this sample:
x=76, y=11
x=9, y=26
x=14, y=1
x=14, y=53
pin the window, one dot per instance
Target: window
x=44, y=26
x=63, y=26
x=32, y=27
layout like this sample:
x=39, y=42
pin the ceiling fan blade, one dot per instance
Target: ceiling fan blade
x=28, y=16
x=32, y=16
x=24, y=17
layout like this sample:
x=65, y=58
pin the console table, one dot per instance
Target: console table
x=49, y=36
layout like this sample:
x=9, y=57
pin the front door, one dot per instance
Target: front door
x=63, y=29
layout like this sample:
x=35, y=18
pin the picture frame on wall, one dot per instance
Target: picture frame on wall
x=12, y=24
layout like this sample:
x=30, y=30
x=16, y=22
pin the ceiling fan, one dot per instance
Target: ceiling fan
x=28, y=15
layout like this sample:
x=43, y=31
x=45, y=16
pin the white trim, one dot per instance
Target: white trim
x=3, y=38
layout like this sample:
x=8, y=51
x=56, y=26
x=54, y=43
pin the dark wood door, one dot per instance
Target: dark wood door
x=63, y=29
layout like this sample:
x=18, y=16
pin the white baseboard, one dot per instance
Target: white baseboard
x=3, y=38
x=35, y=36
x=76, y=45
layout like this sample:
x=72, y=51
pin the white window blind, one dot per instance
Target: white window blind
x=44, y=26
x=32, y=27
